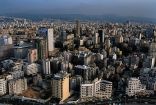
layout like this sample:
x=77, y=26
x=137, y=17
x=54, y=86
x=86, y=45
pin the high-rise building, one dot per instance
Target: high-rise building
x=17, y=74
x=21, y=50
x=98, y=88
x=42, y=49
x=60, y=85
x=75, y=83
x=6, y=40
x=48, y=34
x=3, y=86
x=32, y=55
x=152, y=47
x=46, y=66
x=87, y=72
x=63, y=36
x=78, y=28
x=96, y=38
x=6, y=46
x=50, y=40
x=119, y=39
x=149, y=62
x=103, y=89
x=31, y=69
x=17, y=86
x=101, y=36
x=108, y=43
x=134, y=86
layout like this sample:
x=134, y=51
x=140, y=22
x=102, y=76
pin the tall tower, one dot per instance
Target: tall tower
x=42, y=49
x=154, y=36
x=152, y=47
x=60, y=85
x=63, y=36
x=101, y=35
x=50, y=40
x=46, y=67
x=77, y=28
x=47, y=34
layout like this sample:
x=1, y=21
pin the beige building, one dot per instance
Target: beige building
x=17, y=86
x=60, y=86
x=3, y=86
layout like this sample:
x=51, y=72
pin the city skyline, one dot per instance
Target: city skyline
x=79, y=52
x=139, y=8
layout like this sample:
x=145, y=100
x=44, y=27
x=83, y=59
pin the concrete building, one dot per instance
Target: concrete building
x=87, y=72
x=75, y=83
x=17, y=74
x=134, y=86
x=101, y=36
x=148, y=78
x=84, y=58
x=31, y=69
x=152, y=47
x=149, y=62
x=3, y=86
x=46, y=66
x=78, y=28
x=55, y=65
x=63, y=35
x=60, y=86
x=87, y=90
x=42, y=49
x=119, y=39
x=50, y=40
x=48, y=34
x=21, y=50
x=6, y=40
x=103, y=89
x=96, y=38
x=32, y=55
x=17, y=86
x=98, y=88
x=68, y=41
x=6, y=47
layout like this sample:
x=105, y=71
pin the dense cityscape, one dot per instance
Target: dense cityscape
x=82, y=52
x=76, y=62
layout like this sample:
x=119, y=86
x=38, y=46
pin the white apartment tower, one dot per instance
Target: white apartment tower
x=3, y=86
x=134, y=86
x=50, y=35
x=98, y=88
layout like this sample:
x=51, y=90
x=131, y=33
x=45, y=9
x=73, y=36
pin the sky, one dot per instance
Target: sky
x=136, y=8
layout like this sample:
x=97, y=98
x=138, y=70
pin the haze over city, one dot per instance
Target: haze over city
x=136, y=8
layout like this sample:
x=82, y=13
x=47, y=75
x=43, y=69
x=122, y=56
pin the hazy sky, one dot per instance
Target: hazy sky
x=138, y=8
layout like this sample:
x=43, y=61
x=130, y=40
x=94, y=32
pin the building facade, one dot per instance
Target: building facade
x=17, y=86
x=3, y=86
x=60, y=86
x=98, y=88
x=134, y=86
